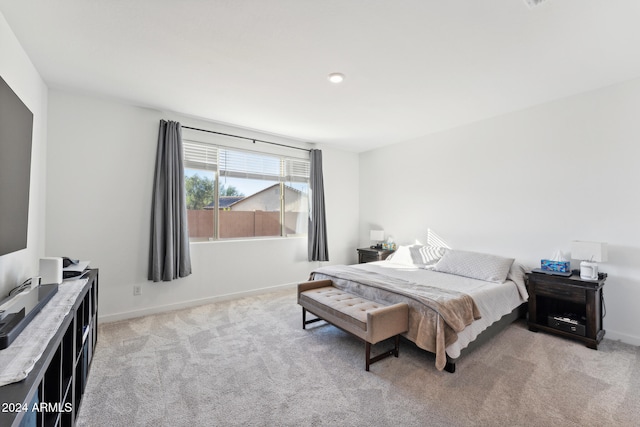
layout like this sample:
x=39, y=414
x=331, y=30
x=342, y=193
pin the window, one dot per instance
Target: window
x=235, y=193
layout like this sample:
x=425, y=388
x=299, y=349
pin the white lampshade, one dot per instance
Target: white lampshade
x=376, y=235
x=589, y=251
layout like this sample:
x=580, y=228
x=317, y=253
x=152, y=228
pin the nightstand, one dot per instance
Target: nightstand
x=369, y=254
x=567, y=306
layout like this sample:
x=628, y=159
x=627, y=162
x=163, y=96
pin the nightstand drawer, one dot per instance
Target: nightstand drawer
x=372, y=254
x=560, y=291
x=564, y=324
x=368, y=257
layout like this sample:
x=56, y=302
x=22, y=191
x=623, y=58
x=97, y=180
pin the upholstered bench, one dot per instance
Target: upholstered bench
x=368, y=320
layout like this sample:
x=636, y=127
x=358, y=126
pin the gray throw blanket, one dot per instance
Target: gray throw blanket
x=435, y=315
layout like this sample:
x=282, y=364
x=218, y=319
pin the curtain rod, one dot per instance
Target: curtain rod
x=244, y=137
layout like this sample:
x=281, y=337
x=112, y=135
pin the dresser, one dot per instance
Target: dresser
x=372, y=254
x=51, y=393
x=567, y=306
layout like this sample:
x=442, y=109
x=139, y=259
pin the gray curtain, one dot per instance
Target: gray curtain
x=169, y=256
x=318, y=248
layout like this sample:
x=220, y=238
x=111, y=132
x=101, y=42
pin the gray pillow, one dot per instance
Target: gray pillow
x=491, y=268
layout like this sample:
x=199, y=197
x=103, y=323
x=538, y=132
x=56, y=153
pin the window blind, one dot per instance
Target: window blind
x=199, y=156
x=296, y=170
x=244, y=164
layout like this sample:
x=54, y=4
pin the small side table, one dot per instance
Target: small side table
x=567, y=306
x=369, y=254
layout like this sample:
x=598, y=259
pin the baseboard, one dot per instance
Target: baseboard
x=625, y=338
x=191, y=303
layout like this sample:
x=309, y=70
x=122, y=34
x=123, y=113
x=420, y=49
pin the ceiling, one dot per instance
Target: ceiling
x=413, y=67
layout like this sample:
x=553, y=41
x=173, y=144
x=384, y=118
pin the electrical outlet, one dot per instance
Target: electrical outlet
x=137, y=290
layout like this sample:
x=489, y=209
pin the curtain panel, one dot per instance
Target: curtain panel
x=169, y=256
x=317, y=233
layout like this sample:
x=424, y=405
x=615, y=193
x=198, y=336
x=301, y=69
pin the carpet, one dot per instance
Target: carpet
x=248, y=362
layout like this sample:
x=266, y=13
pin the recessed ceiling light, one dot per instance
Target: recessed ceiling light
x=534, y=3
x=336, y=77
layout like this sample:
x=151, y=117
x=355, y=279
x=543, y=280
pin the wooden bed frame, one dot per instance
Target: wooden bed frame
x=483, y=337
x=494, y=329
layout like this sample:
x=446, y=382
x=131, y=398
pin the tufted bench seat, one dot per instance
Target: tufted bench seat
x=368, y=320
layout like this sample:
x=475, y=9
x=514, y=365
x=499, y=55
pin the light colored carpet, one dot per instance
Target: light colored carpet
x=249, y=362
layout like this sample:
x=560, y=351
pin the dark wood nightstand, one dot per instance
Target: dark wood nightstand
x=567, y=306
x=369, y=254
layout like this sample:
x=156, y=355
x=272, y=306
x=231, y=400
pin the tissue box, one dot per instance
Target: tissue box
x=561, y=266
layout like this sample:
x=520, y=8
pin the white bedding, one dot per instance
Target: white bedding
x=494, y=300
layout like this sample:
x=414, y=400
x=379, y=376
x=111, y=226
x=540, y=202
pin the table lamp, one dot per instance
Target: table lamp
x=378, y=237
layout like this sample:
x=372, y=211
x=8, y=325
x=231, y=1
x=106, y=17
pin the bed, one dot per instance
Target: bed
x=456, y=298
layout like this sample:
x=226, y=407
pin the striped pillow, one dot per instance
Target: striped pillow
x=417, y=255
x=427, y=256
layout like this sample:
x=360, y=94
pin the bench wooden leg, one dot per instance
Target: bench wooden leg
x=371, y=360
x=397, y=349
x=367, y=355
x=305, y=322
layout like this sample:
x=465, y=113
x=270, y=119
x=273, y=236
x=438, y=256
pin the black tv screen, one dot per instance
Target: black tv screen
x=16, y=130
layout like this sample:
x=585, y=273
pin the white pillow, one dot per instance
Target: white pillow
x=417, y=255
x=491, y=268
x=517, y=275
x=401, y=255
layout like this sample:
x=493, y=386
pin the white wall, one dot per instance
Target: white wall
x=19, y=73
x=524, y=185
x=100, y=171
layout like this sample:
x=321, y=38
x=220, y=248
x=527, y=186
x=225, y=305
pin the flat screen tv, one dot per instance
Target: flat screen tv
x=16, y=131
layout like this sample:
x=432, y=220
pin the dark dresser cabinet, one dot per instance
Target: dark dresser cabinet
x=51, y=394
x=567, y=306
x=371, y=254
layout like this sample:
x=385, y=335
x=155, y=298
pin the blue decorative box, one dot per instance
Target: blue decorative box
x=389, y=246
x=560, y=266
